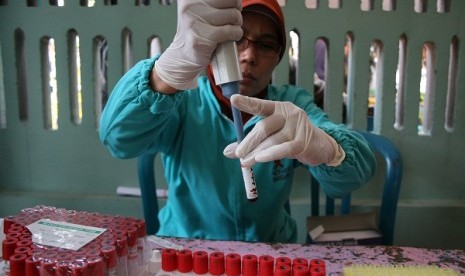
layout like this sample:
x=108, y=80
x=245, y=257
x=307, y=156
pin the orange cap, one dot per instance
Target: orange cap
x=272, y=8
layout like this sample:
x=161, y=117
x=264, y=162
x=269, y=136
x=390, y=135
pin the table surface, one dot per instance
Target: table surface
x=336, y=257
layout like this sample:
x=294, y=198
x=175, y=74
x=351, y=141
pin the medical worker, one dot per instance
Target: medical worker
x=166, y=105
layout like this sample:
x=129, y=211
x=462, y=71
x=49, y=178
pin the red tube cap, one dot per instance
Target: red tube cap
x=265, y=265
x=300, y=261
x=18, y=265
x=317, y=263
x=109, y=256
x=32, y=266
x=317, y=271
x=283, y=261
x=249, y=265
x=96, y=266
x=300, y=270
x=216, y=263
x=233, y=264
x=168, y=259
x=8, y=248
x=184, y=260
x=200, y=262
x=282, y=270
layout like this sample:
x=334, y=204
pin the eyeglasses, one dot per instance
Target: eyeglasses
x=264, y=48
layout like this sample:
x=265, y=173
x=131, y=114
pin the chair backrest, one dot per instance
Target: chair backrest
x=146, y=172
x=390, y=196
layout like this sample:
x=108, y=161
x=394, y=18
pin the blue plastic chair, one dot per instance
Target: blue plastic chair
x=390, y=196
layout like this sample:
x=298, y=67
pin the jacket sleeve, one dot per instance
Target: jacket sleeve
x=136, y=118
x=358, y=167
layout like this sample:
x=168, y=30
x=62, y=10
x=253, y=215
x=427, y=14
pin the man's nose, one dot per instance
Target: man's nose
x=249, y=53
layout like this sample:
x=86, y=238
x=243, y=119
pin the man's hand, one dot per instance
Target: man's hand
x=285, y=132
x=202, y=25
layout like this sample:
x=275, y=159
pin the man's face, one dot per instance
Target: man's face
x=257, y=55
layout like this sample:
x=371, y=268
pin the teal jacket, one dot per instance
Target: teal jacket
x=206, y=192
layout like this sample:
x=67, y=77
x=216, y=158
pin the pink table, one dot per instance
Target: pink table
x=336, y=257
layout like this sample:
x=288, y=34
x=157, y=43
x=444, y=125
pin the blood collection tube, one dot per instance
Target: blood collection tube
x=80, y=268
x=282, y=270
x=249, y=265
x=15, y=228
x=24, y=243
x=200, y=262
x=216, y=266
x=122, y=253
x=47, y=267
x=233, y=264
x=15, y=235
x=300, y=261
x=142, y=243
x=184, y=260
x=132, y=234
x=265, y=265
x=300, y=270
x=317, y=263
x=7, y=222
x=18, y=265
x=168, y=259
x=283, y=261
x=23, y=250
x=8, y=250
x=317, y=271
x=109, y=256
x=32, y=265
x=96, y=266
x=133, y=263
x=63, y=268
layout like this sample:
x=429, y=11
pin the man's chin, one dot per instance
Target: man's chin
x=248, y=91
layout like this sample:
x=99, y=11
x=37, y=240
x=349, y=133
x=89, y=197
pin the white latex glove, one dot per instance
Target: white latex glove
x=202, y=24
x=285, y=132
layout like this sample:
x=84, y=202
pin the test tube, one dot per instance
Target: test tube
x=63, y=268
x=122, y=253
x=200, y=262
x=32, y=266
x=8, y=250
x=265, y=265
x=233, y=264
x=108, y=253
x=216, y=266
x=80, y=268
x=47, y=267
x=249, y=265
x=96, y=266
x=18, y=265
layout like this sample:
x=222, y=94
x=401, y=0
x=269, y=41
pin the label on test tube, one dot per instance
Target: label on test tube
x=249, y=182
